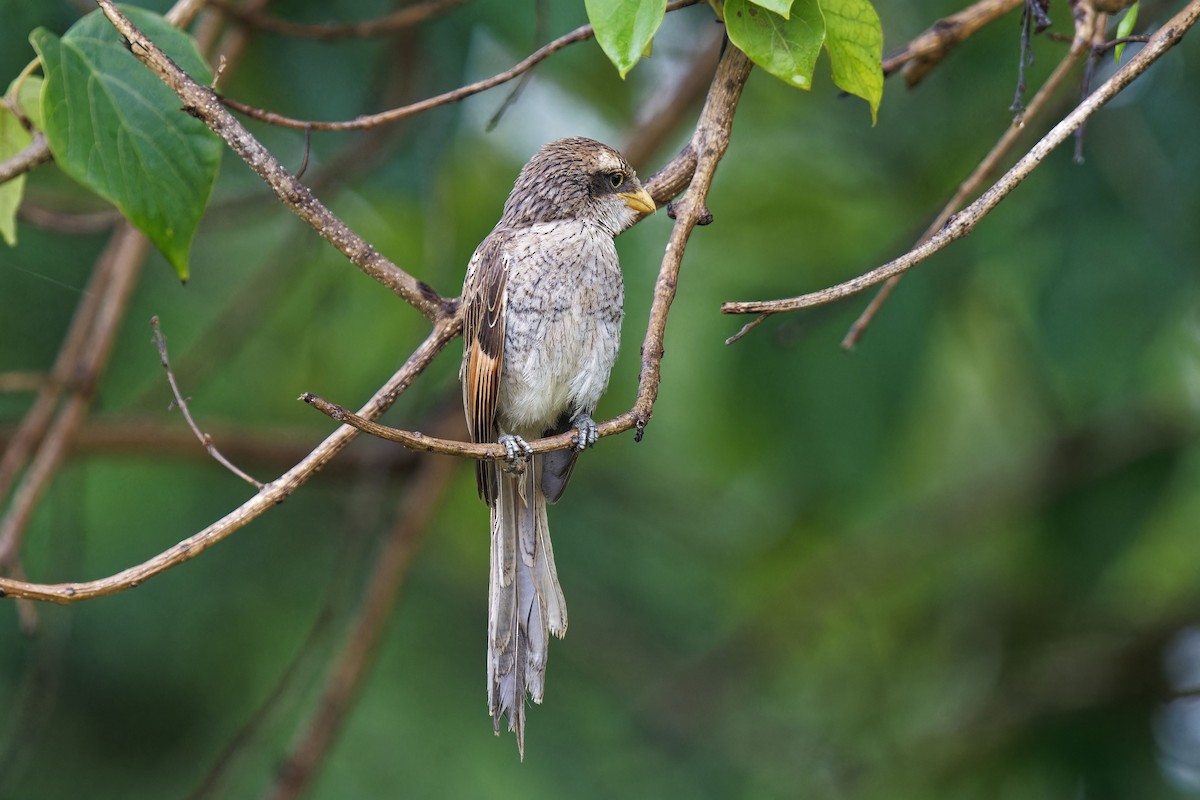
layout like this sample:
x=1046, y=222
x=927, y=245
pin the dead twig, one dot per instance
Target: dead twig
x=919, y=57
x=160, y=342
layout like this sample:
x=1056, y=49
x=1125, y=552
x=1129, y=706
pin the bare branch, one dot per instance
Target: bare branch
x=203, y=103
x=271, y=494
x=1080, y=44
x=964, y=222
x=922, y=54
x=160, y=341
x=88, y=346
x=580, y=34
x=398, y=20
x=35, y=153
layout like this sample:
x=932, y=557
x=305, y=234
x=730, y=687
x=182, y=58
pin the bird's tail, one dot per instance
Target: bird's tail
x=525, y=602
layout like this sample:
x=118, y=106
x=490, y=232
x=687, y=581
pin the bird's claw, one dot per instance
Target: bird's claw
x=516, y=452
x=588, y=432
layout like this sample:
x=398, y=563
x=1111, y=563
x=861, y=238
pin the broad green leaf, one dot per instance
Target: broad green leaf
x=13, y=139
x=1125, y=28
x=781, y=7
x=624, y=28
x=786, y=48
x=854, y=39
x=114, y=127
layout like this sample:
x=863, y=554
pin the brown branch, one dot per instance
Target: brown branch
x=965, y=221
x=35, y=153
x=398, y=20
x=1080, y=44
x=384, y=117
x=203, y=103
x=318, y=732
x=926, y=51
x=12, y=382
x=124, y=256
x=160, y=342
x=443, y=332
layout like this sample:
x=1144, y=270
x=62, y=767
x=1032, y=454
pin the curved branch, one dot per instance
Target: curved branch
x=35, y=153
x=965, y=221
x=398, y=20
x=384, y=117
x=271, y=494
x=203, y=103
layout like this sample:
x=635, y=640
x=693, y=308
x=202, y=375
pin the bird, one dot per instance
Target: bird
x=542, y=308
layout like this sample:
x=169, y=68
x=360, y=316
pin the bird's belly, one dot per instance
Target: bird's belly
x=557, y=357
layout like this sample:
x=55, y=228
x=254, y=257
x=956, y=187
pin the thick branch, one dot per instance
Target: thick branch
x=203, y=103
x=964, y=222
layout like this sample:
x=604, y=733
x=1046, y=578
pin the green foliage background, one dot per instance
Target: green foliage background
x=960, y=562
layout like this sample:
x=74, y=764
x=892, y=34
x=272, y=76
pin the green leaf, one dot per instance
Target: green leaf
x=854, y=39
x=781, y=7
x=13, y=139
x=1125, y=28
x=624, y=28
x=786, y=48
x=116, y=129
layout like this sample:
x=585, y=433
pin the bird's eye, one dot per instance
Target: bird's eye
x=615, y=179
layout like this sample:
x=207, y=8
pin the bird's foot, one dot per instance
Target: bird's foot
x=588, y=432
x=516, y=452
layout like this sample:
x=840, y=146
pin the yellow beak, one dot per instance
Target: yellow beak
x=639, y=201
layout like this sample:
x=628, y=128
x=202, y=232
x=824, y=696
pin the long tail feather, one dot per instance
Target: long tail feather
x=525, y=602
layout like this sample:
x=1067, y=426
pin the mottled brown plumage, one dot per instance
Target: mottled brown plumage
x=543, y=304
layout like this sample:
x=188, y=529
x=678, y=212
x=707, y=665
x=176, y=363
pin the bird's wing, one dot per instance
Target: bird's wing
x=484, y=294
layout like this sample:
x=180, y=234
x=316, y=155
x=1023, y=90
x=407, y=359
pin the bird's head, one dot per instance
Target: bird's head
x=577, y=179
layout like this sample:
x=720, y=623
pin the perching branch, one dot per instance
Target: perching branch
x=582, y=33
x=707, y=146
x=964, y=222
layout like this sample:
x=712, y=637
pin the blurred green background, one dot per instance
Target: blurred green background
x=961, y=561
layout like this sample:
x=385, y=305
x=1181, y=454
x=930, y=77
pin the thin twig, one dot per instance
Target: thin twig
x=964, y=222
x=982, y=171
x=398, y=20
x=203, y=103
x=443, y=332
x=160, y=341
x=580, y=34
